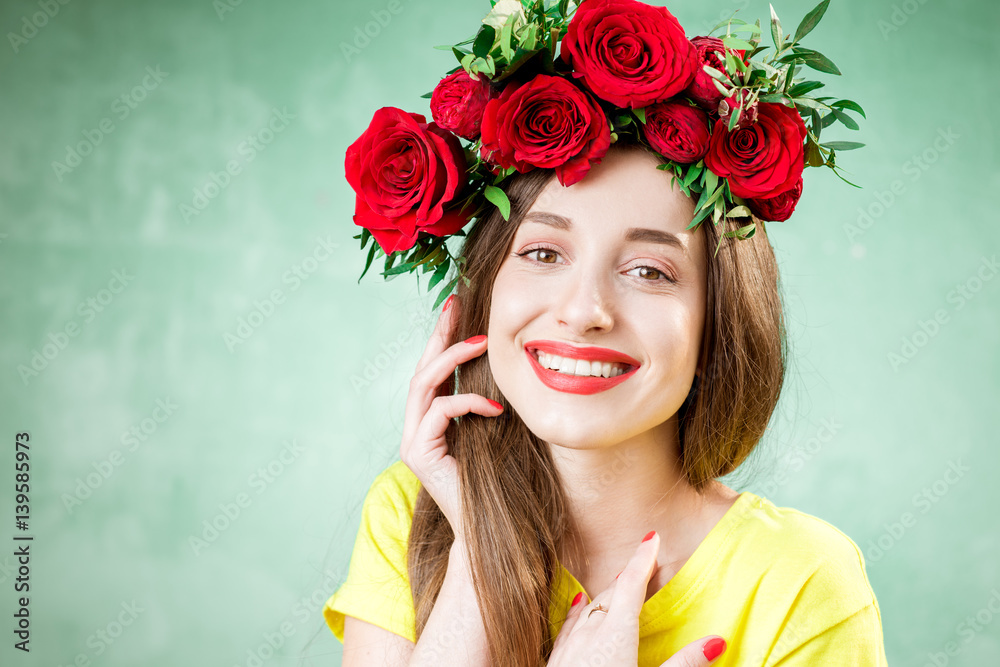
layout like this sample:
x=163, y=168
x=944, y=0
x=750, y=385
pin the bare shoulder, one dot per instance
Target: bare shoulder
x=368, y=645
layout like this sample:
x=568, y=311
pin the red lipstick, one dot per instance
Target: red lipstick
x=578, y=384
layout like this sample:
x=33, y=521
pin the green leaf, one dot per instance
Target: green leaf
x=499, y=199
x=738, y=211
x=505, y=36
x=445, y=291
x=810, y=103
x=776, y=37
x=800, y=89
x=736, y=43
x=529, y=39
x=459, y=53
x=734, y=118
x=368, y=263
x=439, y=275
x=427, y=96
x=484, y=41
x=402, y=268
x=816, y=60
x=848, y=104
x=810, y=20
x=842, y=145
x=813, y=157
x=845, y=119
x=640, y=113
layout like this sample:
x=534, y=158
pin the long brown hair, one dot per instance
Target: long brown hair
x=520, y=520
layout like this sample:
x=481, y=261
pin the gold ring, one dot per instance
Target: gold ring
x=598, y=608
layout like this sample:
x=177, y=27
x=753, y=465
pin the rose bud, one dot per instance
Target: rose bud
x=711, y=52
x=748, y=115
x=458, y=101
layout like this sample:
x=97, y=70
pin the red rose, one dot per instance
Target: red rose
x=546, y=122
x=711, y=52
x=629, y=53
x=778, y=208
x=458, y=101
x=678, y=131
x=404, y=170
x=762, y=160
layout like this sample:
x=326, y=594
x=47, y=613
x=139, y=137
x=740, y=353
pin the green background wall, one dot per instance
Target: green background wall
x=857, y=289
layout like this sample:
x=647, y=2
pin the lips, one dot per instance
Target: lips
x=578, y=384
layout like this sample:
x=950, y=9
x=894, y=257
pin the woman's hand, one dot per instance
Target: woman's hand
x=430, y=408
x=615, y=635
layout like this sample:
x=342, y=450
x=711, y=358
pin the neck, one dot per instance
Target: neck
x=617, y=494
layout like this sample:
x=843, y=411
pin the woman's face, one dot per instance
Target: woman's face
x=603, y=270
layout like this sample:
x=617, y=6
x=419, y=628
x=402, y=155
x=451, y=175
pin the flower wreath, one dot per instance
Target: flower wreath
x=728, y=121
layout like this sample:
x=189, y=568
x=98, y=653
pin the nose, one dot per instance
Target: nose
x=585, y=304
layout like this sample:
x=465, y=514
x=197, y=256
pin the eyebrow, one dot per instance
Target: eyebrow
x=633, y=234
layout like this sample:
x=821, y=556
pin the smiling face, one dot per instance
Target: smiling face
x=604, y=271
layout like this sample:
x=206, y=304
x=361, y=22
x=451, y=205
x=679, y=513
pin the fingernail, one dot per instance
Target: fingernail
x=579, y=596
x=619, y=574
x=713, y=648
x=495, y=404
x=447, y=302
x=475, y=340
x=649, y=535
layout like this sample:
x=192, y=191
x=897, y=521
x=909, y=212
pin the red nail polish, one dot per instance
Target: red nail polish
x=649, y=535
x=495, y=404
x=447, y=302
x=619, y=574
x=579, y=596
x=475, y=340
x=713, y=648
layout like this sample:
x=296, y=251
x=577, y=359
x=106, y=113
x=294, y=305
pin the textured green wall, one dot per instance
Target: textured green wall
x=147, y=390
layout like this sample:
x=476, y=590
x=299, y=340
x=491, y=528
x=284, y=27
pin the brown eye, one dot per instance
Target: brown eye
x=645, y=271
x=542, y=253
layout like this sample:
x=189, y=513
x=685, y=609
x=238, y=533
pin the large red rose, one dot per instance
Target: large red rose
x=404, y=171
x=762, y=160
x=546, y=122
x=458, y=101
x=678, y=131
x=711, y=52
x=778, y=208
x=629, y=53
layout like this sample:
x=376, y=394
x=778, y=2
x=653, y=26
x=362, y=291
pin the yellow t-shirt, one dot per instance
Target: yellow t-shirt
x=784, y=588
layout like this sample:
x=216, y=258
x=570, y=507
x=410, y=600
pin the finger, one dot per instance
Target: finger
x=440, y=413
x=440, y=337
x=629, y=590
x=572, y=617
x=698, y=653
x=425, y=383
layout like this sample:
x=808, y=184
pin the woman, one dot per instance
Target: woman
x=552, y=487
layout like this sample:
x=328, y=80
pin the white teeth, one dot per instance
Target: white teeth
x=571, y=366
